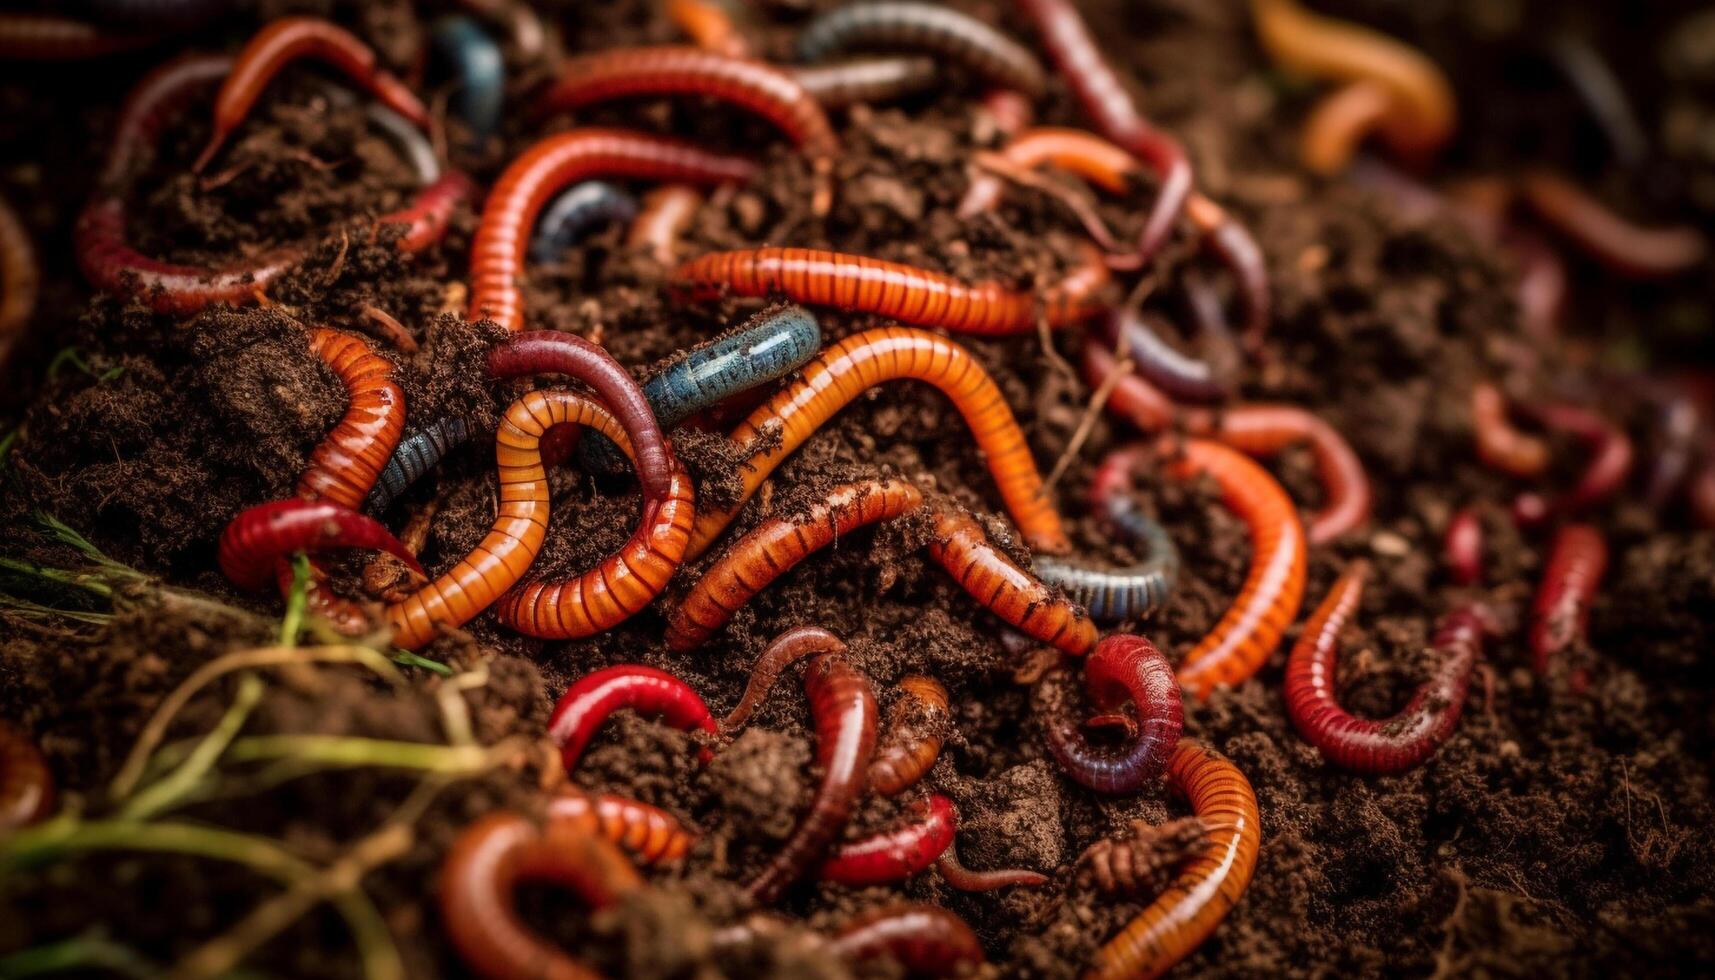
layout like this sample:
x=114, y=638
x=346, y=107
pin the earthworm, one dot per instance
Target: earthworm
x=769, y=346
x=783, y=651
x=347, y=462
x=20, y=277
x=520, y=521
x=1626, y=248
x=932, y=28
x=416, y=454
x=1123, y=668
x=925, y=940
x=1010, y=111
x=410, y=142
x=427, y=216
x=842, y=706
x=160, y=93
x=26, y=782
x=1208, y=886
x=1181, y=376
x=674, y=70
x=1307, y=43
x=1238, y=250
x=957, y=876
x=963, y=548
x=1142, y=863
x=897, y=854
x=482, y=872
x=1462, y=547
x=649, y=834
x=1131, y=398
x=859, y=284
x=259, y=537
x=710, y=25
x=1340, y=122
x=1122, y=593
x=845, y=370
x=598, y=694
x=1560, y=613
x=1104, y=99
x=667, y=212
x=480, y=69
x=1500, y=444
x=535, y=176
x=1085, y=154
x=1611, y=454
x=1392, y=745
x=575, y=213
x=865, y=82
x=917, y=724
x=50, y=37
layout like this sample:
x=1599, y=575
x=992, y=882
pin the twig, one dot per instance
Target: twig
x=338, y=264
x=1087, y=423
x=172, y=788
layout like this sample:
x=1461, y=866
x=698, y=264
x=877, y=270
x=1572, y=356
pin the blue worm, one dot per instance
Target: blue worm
x=1123, y=593
x=771, y=345
x=479, y=68
x=416, y=454
x=575, y=212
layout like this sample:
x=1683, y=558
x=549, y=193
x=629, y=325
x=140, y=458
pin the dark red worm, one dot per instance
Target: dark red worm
x=427, y=216
x=1238, y=250
x=26, y=782
x=785, y=650
x=1391, y=745
x=842, y=706
x=917, y=724
x=1500, y=444
x=587, y=704
x=20, y=278
x=898, y=853
x=1122, y=669
x=50, y=37
x=925, y=940
x=260, y=537
x=1561, y=611
x=649, y=834
x=956, y=875
x=1462, y=547
x=1611, y=455
x=287, y=40
x=1642, y=253
x=537, y=175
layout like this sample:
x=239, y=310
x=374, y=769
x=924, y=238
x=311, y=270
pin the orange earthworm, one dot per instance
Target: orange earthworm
x=1500, y=444
x=709, y=23
x=1208, y=886
x=1626, y=248
x=963, y=548
x=647, y=833
x=666, y=213
x=917, y=724
x=860, y=362
x=1339, y=123
x=345, y=465
x=20, y=278
x=542, y=171
x=26, y=782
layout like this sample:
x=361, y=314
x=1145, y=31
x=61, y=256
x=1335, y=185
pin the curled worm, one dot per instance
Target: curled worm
x=783, y=651
x=649, y=834
x=260, y=537
x=963, y=548
x=416, y=454
x=1499, y=443
x=1560, y=613
x=20, y=278
x=1611, y=455
x=575, y=213
x=897, y=854
x=1340, y=122
x=586, y=705
x=1180, y=375
x=917, y=724
x=930, y=27
x=865, y=82
x=1122, y=669
x=479, y=68
x=667, y=212
x=26, y=782
x=345, y=465
x=925, y=940
x=1124, y=593
x=1626, y=248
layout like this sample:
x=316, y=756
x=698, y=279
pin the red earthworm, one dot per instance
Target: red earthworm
x=1679, y=424
x=956, y=875
x=1392, y=745
x=520, y=522
x=842, y=706
x=848, y=368
x=895, y=25
x=1542, y=283
x=1561, y=612
x=482, y=872
x=710, y=25
x=865, y=82
x=542, y=171
x=671, y=70
x=858, y=284
x=1462, y=548
x=49, y=37
x=962, y=547
x=1104, y=99
x=1339, y=123
x=598, y=694
x=1142, y=863
x=261, y=536
x=1131, y=398
x=666, y=213
x=1499, y=443
x=147, y=107
x=346, y=464
x=1010, y=110
x=925, y=940
x=649, y=834
x=26, y=782
x=1628, y=249
x=20, y=277
x=917, y=724
x=1208, y=886
x=1123, y=668
x=1238, y=250
x=287, y=40
x=1610, y=454
x=1181, y=375
x=783, y=651
x=427, y=216
x=897, y=854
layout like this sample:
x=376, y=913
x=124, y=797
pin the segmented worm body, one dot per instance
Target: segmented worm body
x=925, y=940
x=1391, y=745
x=1122, y=669
x=591, y=699
x=1626, y=248
x=667, y=212
x=848, y=368
x=917, y=725
x=113, y=266
x=842, y=707
x=577, y=212
x=1462, y=547
x=956, y=875
x=1208, y=886
x=649, y=834
x=427, y=216
x=480, y=877
x=1123, y=593
x=26, y=782
x=899, y=853
x=1178, y=374
x=892, y=25
x=417, y=453
x=783, y=651
x=865, y=82
x=345, y=465
x=479, y=68
x=535, y=176
x=1339, y=123
x=1500, y=444
x=260, y=537
x=963, y=548
x=1561, y=610
x=50, y=37
x=20, y=277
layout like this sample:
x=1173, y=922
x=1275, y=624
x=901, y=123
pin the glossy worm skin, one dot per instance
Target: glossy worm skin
x=649, y=834
x=710, y=25
x=865, y=82
x=1339, y=123
x=476, y=62
x=1391, y=745
x=1123, y=669
x=1462, y=547
x=287, y=40
x=1500, y=444
x=49, y=37
x=959, y=877
x=577, y=212
x=1323, y=47
x=1123, y=593
x=1560, y=613
x=963, y=548
x=1238, y=250
x=1103, y=98
x=1208, y=886
x=667, y=213
x=895, y=25
x=1611, y=455
x=480, y=877
x=417, y=453
x=858, y=284
x=765, y=348
x=925, y=940
x=262, y=536
x=917, y=725
x=1624, y=247
x=1181, y=376
x=411, y=143
x=148, y=106
x=26, y=782
x=346, y=464
x=427, y=216
x=897, y=854
x=783, y=651
x=536, y=175
x=842, y=707
x=20, y=277
x=592, y=698
x=845, y=370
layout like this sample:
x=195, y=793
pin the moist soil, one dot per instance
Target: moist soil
x=1552, y=834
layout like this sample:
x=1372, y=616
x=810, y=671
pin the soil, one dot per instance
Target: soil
x=1552, y=834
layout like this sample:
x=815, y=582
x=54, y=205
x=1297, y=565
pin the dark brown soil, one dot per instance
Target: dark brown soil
x=1553, y=834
